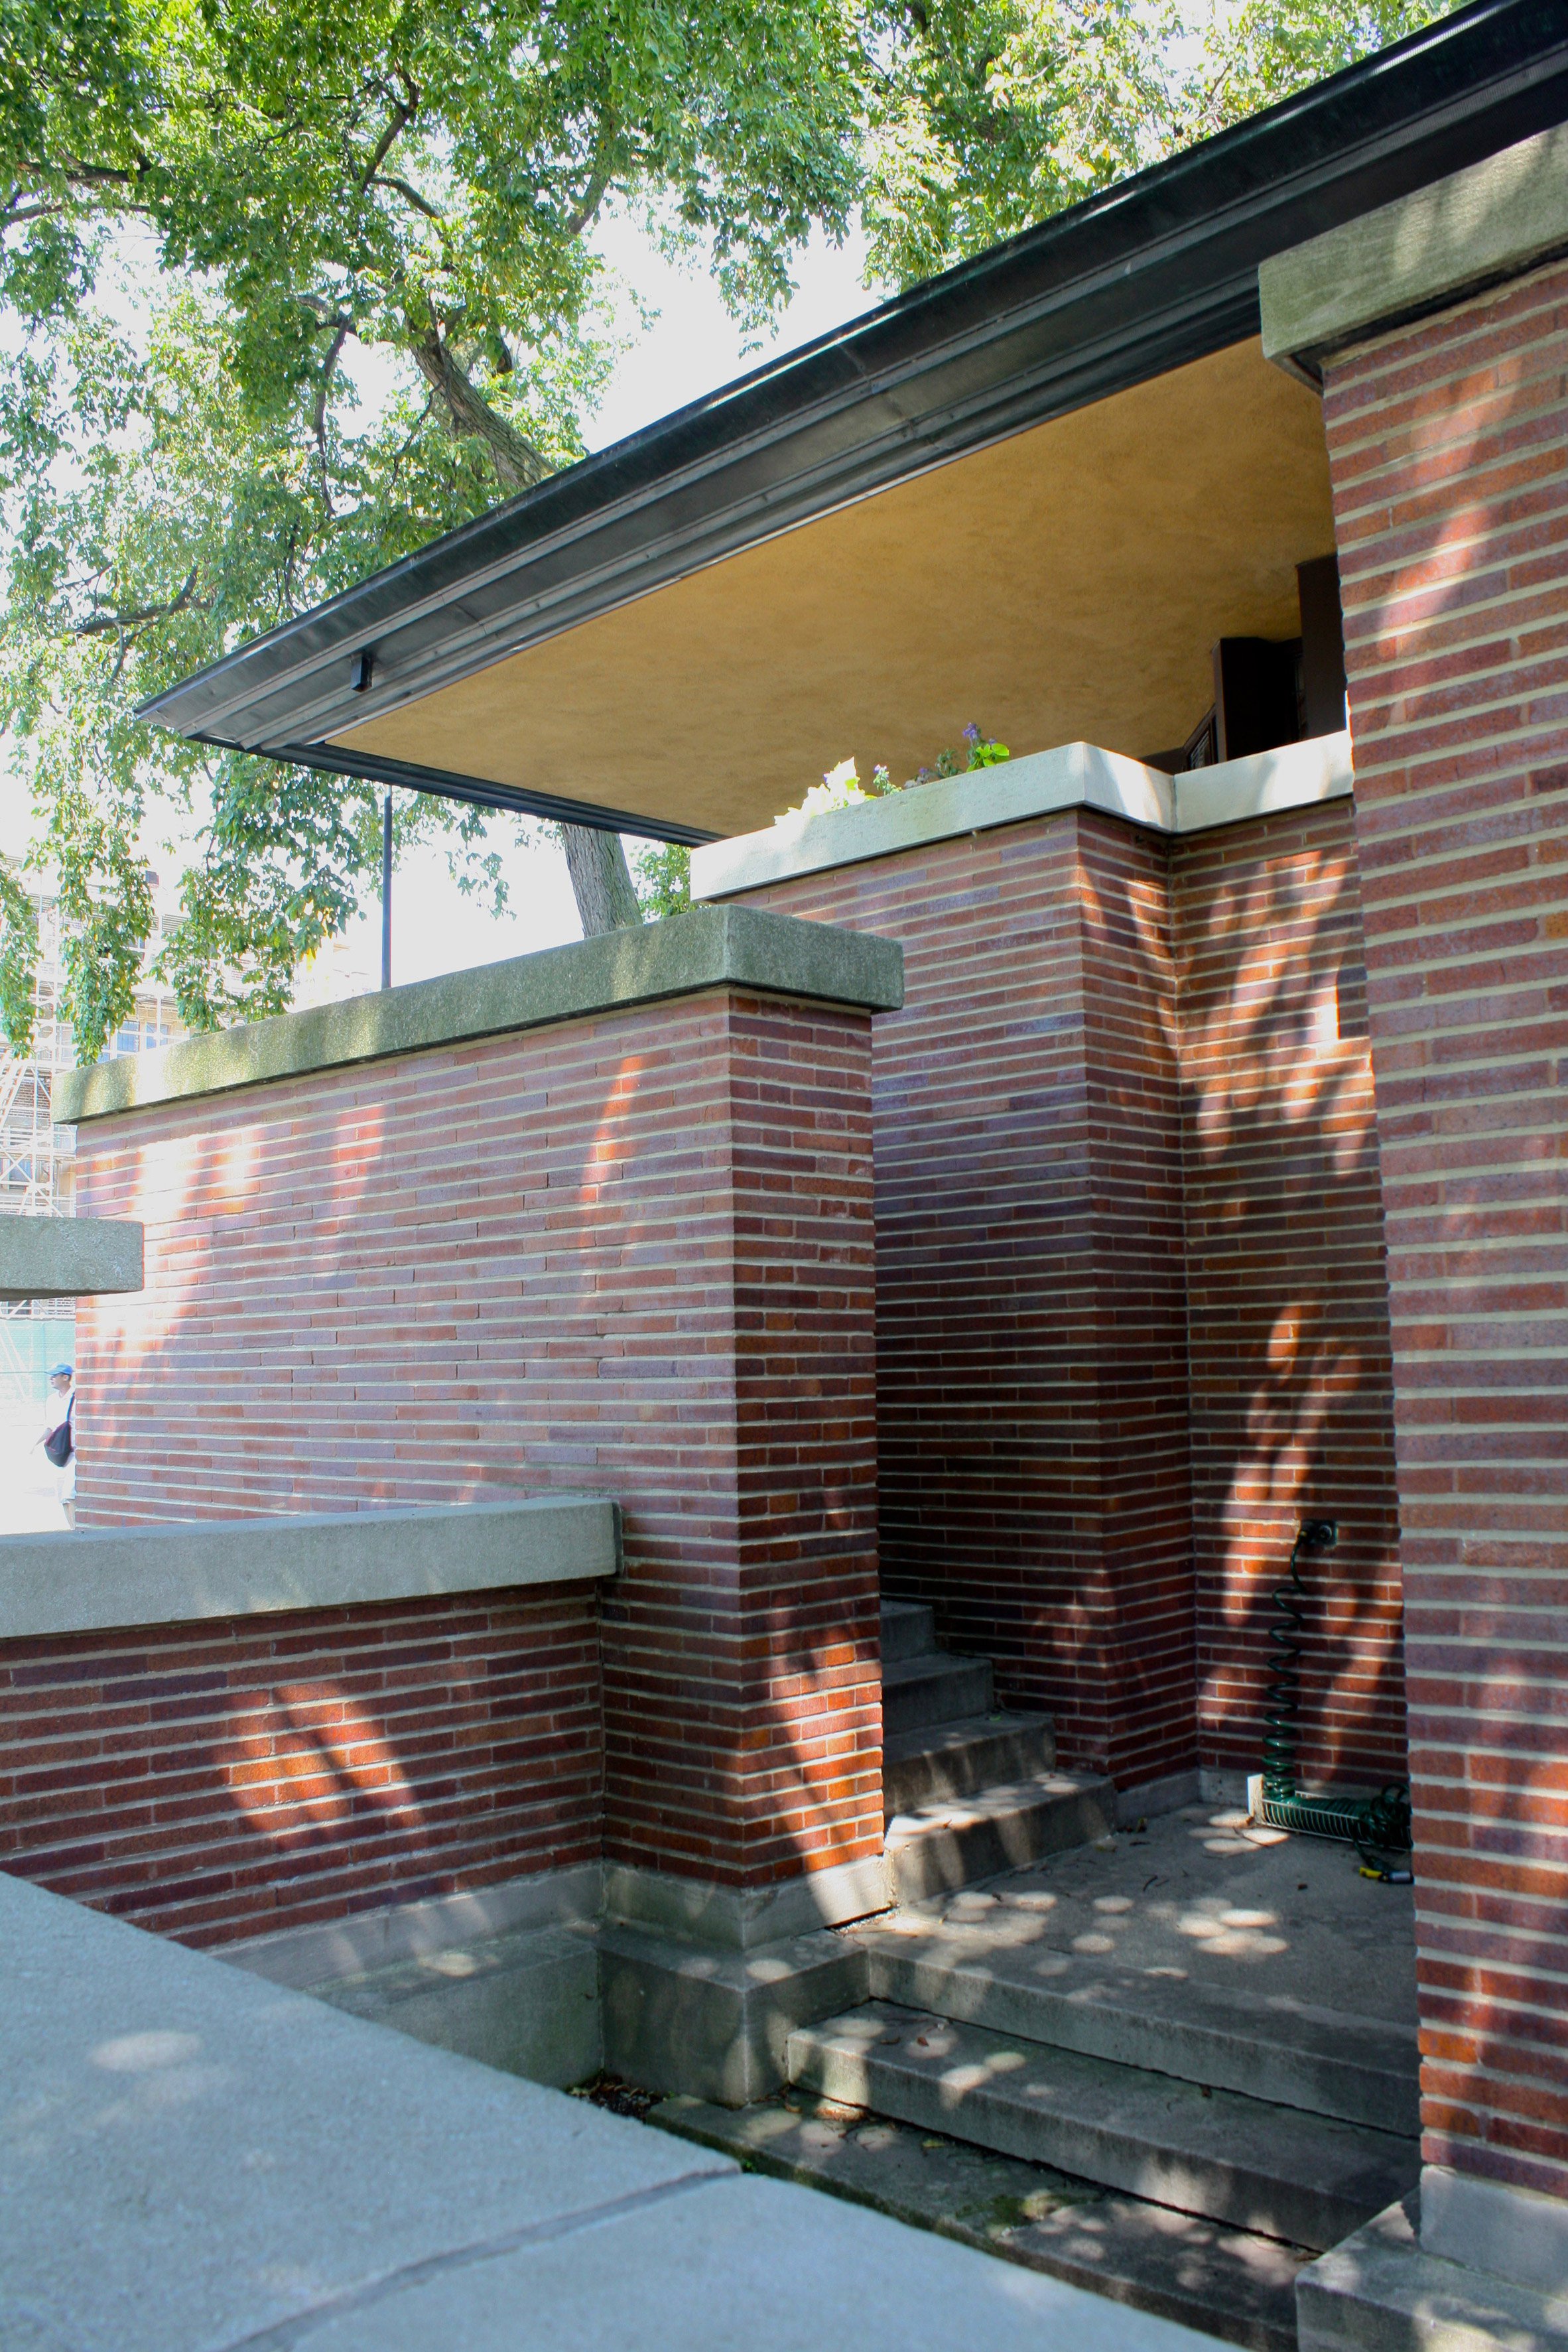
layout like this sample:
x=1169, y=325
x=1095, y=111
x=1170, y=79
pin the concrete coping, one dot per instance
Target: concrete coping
x=186, y=1571
x=709, y=947
x=1073, y=776
x=1492, y=221
x=68, y=1257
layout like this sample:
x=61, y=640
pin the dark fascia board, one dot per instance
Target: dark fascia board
x=480, y=792
x=1157, y=271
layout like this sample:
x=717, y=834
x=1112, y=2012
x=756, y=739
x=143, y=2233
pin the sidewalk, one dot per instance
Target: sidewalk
x=192, y=2160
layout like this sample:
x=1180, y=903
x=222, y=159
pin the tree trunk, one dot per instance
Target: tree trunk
x=600, y=878
x=607, y=900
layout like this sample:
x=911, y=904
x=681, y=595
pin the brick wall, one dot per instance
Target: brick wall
x=1449, y=445
x=630, y=1255
x=1290, y=1393
x=238, y=1777
x=1130, y=1322
x=1025, y=1331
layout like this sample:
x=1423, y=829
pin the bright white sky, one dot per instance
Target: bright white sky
x=693, y=347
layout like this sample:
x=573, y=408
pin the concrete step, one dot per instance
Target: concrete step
x=1293, y=2053
x=908, y=1630
x=945, y=1761
x=1225, y=2282
x=934, y=1689
x=1272, y=2170
x=937, y=1848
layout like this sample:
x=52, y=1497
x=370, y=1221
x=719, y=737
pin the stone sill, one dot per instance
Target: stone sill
x=710, y=948
x=191, y=1570
x=1073, y=775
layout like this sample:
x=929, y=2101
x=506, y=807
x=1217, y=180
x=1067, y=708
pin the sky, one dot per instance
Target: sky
x=693, y=347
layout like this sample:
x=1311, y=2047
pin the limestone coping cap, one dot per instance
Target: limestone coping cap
x=68, y=1258
x=1040, y=783
x=190, y=1571
x=1493, y=221
x=711, y=946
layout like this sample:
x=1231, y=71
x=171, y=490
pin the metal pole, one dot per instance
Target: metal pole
x=387, y=892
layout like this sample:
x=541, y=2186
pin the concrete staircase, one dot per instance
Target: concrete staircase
x=967, y=1790
x=1199, y=2062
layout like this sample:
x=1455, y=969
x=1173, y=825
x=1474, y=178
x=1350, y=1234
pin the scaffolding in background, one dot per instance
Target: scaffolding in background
x=37, y=1159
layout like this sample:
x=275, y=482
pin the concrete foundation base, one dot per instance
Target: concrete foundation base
x=677, y=1984
x=715, y=2022
x=1381, y=2291
x=527, y=2002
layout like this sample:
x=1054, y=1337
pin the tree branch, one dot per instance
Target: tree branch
x=402, y=116
x=599, y=178
x=103, y=625
x=422, y=203
x=319, y=415
x=518, y=463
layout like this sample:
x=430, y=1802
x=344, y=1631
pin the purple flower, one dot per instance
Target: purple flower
x=972, y=733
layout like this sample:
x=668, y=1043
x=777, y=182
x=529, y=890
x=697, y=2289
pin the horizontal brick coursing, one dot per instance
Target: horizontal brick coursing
x=1449, y=446
x=1017, y=1323
x=1129, y=1265
x=235, y=1777
x=1292, y=1389
x=629, y=1256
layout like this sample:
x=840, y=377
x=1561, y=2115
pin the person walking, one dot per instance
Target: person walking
x=58, y=1440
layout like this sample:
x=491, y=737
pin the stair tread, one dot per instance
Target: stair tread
x=1271, y=1971
x=1219, y=2152
x=996, y=1800
x=1088, y=1986
x=959, y=1731
x=931, y=1666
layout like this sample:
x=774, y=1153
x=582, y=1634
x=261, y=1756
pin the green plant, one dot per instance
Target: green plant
x=661, y=871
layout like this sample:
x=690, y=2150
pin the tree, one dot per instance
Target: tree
x=416, y=179
x=215, y=215
x=990, y=115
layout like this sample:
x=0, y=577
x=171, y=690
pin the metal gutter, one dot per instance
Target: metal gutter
x=1157, y=271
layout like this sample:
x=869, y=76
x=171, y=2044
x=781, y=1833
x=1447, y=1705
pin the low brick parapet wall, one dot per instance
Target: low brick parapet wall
x=219, y=1730
x=603, y=1219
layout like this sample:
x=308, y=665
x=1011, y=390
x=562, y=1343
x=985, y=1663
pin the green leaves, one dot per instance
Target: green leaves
x=222, y=220
x=18, y=959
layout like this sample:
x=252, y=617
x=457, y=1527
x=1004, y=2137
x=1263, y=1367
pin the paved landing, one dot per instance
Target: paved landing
x=1237, y=1959
x=193, y=2159
x=1198, y=1898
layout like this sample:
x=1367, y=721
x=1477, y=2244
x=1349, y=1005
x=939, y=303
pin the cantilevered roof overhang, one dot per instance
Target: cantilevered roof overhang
x=1031, y=492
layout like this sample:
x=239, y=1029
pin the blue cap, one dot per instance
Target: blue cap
x=55, y=1369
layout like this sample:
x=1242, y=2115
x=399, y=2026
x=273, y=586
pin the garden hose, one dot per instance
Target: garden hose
x=1376, y=1825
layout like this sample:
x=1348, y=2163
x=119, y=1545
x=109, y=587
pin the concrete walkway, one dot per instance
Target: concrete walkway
x=193, y=2160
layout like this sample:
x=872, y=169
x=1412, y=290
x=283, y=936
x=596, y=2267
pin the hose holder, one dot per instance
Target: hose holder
x=1378, y=1824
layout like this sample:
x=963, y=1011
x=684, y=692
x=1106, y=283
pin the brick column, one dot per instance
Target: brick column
x=1031, y=1340
x=1449, y=443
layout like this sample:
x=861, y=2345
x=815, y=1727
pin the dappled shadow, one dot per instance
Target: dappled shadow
x=501, y=1267
x=1291, y=1382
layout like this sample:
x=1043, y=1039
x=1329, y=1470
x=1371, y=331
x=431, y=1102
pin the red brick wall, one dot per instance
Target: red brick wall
x=230, y=1779
x=1139, y=1306
x=1448, y=444
x=630, y=1255
x=1130, y=1266
x=1032, y=1467
x=1290, y=1396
